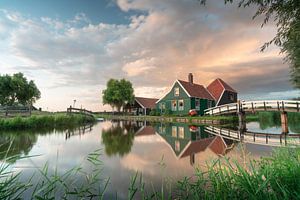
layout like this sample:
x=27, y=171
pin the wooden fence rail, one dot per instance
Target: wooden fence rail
x=270, y=139
x=71, y=110
x=253, y=106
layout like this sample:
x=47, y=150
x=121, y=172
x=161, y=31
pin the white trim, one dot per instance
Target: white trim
x=169, y=145
x=220, y=97
x=166, y=93
x=177, y=81
x=210, y=94
x=183, y=88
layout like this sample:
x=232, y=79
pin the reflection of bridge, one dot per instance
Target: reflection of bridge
x=242, y=107
x=255, y=138
x=79, y=131
x=253, y=106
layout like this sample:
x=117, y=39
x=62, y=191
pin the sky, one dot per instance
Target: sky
x=72, y=48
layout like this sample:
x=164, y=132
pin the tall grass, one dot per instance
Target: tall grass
x=275, y=177
x=44, y=121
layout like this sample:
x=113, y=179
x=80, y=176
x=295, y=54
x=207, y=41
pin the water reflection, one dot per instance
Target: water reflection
x=15, y=144
x=118, y=139
x=191, y=141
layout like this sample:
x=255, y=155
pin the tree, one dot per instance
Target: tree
x=16, y=89
x=286, y=14
x=118, y=93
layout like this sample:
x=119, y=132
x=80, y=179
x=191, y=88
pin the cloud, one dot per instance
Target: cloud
x=166, y=40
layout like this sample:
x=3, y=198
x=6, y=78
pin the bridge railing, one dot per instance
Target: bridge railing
x=255, y=138
x=218, y=110
x=71, y=110
x=269, y=105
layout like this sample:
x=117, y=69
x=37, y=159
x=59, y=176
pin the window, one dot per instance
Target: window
x=209, y=103
x=174, y=131
x=162, y=106
x=174, y=105
x=181, y=105
x=177, y=145
x=181, y=132
x=176, y=92
x=197, y=104
x=231, y=97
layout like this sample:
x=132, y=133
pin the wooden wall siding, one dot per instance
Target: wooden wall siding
x=225, y=98
x=170, y=97
x=189, y=102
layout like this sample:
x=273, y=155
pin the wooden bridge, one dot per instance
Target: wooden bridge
x=71, y=110
x=254, y=106
x=256, y=138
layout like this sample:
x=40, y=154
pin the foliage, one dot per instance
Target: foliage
x=45, y=121
x=286, y=14
x=17, y=89
x=117, y=140
x=274, y=177
x=118, y=93
x=154, y=112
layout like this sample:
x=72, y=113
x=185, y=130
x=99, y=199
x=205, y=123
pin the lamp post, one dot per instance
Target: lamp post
x=74, y=103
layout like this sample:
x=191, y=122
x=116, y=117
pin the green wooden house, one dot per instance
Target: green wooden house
x=187, y=95
x=184, y=96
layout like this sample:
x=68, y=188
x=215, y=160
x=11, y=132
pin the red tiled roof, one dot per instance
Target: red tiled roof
x=217, y=87
x=196, y=90
x=218, y=146
x=146, y=102
x=197, y=146
x=147, y=130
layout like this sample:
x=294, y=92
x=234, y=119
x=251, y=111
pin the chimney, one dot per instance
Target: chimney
x=191, y=81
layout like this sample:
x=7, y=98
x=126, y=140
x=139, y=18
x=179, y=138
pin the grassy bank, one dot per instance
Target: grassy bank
x=184, y=119
x=275, y=177
x=60, y=120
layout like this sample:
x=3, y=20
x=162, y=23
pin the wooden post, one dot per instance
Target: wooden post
x=284, y=123
x=265, y=106
x=297, y=107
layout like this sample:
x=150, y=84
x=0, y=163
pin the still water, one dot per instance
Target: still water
x=158, y=151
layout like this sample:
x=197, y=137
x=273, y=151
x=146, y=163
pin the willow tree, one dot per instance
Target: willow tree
x=286, y=15
x=118, y=93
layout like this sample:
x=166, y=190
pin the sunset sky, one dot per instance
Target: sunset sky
x=71, y=48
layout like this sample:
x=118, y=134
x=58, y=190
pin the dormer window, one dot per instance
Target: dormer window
x=176, y=92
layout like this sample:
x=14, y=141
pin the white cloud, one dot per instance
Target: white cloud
x=170, y=39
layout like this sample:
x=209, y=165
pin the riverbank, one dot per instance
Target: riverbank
x=209, y=120
x=274, y=177
x=45, y=120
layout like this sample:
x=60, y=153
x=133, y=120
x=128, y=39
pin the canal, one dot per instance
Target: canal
x=162, y=153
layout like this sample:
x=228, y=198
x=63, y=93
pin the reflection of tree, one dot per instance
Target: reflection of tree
x=117, y=139
x=272, y=119
x=16, y=144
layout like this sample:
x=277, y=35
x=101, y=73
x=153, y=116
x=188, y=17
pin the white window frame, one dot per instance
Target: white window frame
x=177, y=145
x=174, y=108
x=209, y=103
x=181, y=108
x=199, y=106
x=181, y=132
x=176, y=92
x=174, y=131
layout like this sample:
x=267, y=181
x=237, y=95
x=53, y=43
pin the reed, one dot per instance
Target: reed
x=274, y=177
x=44, y=121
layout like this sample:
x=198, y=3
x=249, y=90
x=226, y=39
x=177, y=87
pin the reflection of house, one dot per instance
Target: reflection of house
x=185, y=96
x=141, y=106
x=187, y=141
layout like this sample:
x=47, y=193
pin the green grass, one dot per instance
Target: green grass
x=274, y=177
x=44, y=121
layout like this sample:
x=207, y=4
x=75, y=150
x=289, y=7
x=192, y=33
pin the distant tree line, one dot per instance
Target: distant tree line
x=16, y=89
